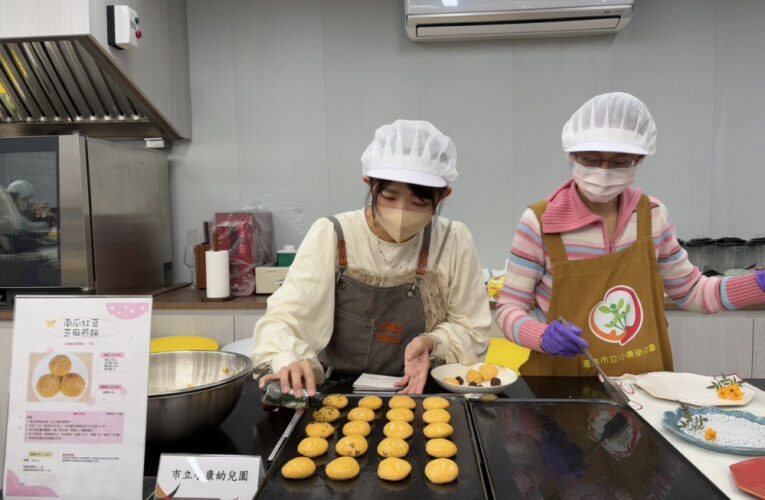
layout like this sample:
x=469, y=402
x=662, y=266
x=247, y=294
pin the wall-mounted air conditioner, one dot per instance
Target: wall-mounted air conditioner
x=442, y=20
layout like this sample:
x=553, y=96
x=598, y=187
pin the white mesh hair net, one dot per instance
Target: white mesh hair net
x=615, y=122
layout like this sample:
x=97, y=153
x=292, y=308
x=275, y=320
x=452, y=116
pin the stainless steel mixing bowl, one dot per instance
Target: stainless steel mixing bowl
x=192, y=390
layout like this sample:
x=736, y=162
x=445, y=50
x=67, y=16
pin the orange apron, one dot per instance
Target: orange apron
x=618, y=302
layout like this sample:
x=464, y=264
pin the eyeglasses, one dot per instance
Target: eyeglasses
x=594, y=160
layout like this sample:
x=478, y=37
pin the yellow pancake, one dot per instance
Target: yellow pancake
x=371, y=402
x=319, y=429
x=392, y=447
x=359, y=427
x=298, y=468
x=401, y=401
x=60, y=365
x=361, y=413
x=342, y=468
x=438, y=415
x=326, y=414
x=351, y=446
x=400, y=414
x=441, y=470
x=440, y=448
x=336, y=401
x=393, y=469
x=398, y=428
x=435, y=403
x=438, y=430
x=312, y=447
x=72, y=385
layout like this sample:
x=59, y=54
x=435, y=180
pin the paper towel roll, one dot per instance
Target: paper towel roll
x=217, y=274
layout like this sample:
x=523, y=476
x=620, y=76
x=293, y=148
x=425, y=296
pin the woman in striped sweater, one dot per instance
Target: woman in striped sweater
x=589, y=266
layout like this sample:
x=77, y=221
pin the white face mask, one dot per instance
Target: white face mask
x=401, y=224
x=602, y=184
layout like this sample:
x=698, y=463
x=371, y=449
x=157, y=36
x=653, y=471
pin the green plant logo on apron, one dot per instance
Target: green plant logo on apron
x=618, y=318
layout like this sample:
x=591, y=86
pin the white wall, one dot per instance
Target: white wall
x=286, y=96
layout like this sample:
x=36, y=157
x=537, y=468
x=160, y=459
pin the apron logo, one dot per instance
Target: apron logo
x=619, y=317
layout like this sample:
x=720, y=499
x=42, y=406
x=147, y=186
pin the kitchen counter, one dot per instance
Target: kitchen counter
x=185, y=299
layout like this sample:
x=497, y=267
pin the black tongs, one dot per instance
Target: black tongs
x=612, y=388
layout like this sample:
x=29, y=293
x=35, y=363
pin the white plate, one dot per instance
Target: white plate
x=453, y=370
x=689, y=388
x=78, y=367
x=243, y=346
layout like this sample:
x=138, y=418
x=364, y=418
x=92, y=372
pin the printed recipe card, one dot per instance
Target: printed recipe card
x=78, y=394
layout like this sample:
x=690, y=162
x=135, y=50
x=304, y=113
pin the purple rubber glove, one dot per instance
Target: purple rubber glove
x=760, y=277
x=561, y=340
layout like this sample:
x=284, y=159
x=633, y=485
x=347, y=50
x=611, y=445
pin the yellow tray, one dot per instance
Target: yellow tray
x=179, y=343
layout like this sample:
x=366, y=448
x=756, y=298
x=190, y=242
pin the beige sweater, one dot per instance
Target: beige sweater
x=299, y=320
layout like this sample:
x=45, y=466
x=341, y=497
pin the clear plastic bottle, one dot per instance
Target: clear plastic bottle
x=273, y=396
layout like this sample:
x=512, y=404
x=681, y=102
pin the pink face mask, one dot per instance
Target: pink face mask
x=602, y=184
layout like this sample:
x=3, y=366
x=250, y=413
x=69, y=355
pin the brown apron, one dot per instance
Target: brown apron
x=373, y=324
x=618, y=302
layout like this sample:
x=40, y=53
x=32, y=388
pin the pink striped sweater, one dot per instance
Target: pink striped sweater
x=525, y=299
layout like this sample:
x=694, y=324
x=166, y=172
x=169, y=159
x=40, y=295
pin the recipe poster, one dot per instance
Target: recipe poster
x=78, y=395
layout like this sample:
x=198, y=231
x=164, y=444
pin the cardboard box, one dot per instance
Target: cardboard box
x=269, y=279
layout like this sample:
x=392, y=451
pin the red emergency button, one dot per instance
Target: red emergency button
x=138, y=34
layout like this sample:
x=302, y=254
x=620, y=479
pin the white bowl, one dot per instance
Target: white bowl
x=454, y=370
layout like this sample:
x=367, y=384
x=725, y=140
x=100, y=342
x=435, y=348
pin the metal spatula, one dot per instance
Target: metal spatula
x=612, y=388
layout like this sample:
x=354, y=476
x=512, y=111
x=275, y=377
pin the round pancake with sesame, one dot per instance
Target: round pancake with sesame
x=72, y=385
x=351, y=446
x=312, y=447
x=393, y=469
x=342, y=468
x=336, y=401
x=60, y=365
x=326, y=414
x=361, y=413
x=435, y=403
x=398, y=428
x=358, y=427
x=400, y=414
x=392, y=447
x=298, y=468
x=437, y=415
x=401, y=401
x=48, y=385
x=371, y=402
x=319, y=429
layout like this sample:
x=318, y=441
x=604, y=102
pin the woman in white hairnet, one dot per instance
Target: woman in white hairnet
x=386, y=288
x=601, y=255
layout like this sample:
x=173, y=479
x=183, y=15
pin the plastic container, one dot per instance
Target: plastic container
x=701, y=252
x=730, y=253
x=285, y=256
x=755, y=252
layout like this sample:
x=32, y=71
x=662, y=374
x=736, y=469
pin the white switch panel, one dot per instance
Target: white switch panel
x=123, y=27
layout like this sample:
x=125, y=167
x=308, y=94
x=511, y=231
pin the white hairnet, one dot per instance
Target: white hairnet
x=21, y=189
x=616, y=122
x=412, y=151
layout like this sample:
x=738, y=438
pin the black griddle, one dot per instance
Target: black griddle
x=580, y=449
x=468, y=485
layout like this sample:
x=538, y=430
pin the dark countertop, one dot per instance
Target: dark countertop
x=252, y=430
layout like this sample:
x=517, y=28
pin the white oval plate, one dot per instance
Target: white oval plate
x=243, y=346
x=688, y=388
x=453, y=370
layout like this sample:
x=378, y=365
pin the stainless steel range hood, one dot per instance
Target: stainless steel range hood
x=68, y=84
